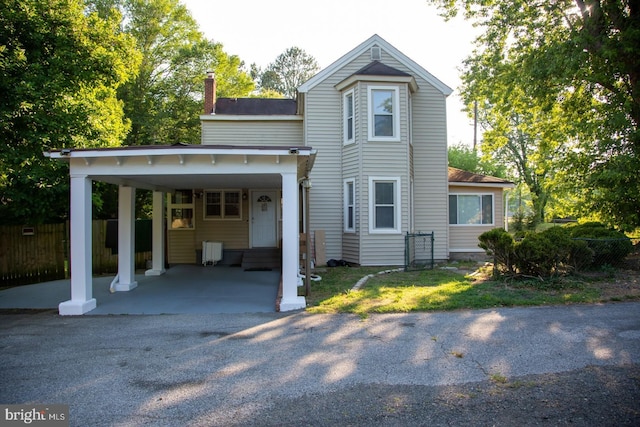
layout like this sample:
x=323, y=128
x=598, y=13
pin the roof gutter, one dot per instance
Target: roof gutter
x=482, y=184
x=163, y=150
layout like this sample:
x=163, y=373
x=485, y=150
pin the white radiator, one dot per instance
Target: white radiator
x=211, y=252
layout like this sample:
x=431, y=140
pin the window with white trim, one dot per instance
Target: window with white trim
x=180, y=210
x=350, y=205
x=349, y=118
x=384, y=123
x=471, y=209
x=384, y=205
x=220, y=204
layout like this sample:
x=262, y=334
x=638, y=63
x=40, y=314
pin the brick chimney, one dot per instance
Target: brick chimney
x=210, y=93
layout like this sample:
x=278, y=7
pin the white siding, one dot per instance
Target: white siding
x=244, y=132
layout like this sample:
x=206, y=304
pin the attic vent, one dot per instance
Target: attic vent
x=375, y=53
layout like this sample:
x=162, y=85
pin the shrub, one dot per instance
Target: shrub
x=499, y=244
x=530, y=255
x=550, y=253
x=581, y=255
x=554, y=251
x=608, y=246
x=517, y=224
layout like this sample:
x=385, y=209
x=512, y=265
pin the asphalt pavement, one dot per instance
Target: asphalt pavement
x=251, y=369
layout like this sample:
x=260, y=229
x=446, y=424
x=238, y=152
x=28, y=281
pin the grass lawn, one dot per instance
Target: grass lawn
x=440, y=289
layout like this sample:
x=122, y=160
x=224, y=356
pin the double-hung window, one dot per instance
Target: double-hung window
x=384, y=205
x=349, y=114
x=181, y=210
x=220, y=204
x=471, y=209
x=384, y=123
x=349, y=205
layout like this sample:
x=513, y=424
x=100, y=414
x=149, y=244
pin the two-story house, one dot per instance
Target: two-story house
x=358, y=160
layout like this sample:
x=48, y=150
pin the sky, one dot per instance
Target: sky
x=258, y=31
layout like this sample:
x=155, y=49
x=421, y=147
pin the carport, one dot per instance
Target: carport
x=164, y=169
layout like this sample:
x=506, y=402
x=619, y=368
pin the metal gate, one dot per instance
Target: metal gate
x=418, y=251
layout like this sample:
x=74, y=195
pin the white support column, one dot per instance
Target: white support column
x=82, y=299
x=157, y=255
x=126, y=239
x=290, y=244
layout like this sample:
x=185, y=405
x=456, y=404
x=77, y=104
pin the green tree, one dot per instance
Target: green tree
x=579, y=58
x=289, y=70
x=466, y=158
x=59, y=71
x=527, y=139
x=164, y=101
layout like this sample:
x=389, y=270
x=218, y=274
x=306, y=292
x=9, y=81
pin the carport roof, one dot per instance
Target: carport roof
x=170, y=167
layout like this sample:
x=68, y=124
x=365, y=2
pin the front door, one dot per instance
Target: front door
x=264, y=214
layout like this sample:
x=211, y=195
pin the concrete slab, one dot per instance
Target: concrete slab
x=183, y=289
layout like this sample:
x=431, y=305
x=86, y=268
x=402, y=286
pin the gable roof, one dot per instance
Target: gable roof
x=375, y=40
x=255, y=106
x=459, y=176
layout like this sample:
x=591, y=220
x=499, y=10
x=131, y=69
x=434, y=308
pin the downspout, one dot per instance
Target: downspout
x=306, y=183
x=114, y=282
x=506, y=210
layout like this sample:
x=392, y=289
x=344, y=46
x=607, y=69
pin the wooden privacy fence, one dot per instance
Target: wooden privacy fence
x=32, y=254
x=41, y=253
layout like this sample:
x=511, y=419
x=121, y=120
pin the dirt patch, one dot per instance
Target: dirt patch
x=624, y=285
x=614, y=284
x=618, y=284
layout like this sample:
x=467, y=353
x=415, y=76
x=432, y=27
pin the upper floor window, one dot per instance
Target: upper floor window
x=384, y=123
x=222, y=204
x=471, y=209
x=349, y=122
x=384, y=205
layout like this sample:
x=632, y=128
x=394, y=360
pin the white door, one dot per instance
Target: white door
x=264, y=208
